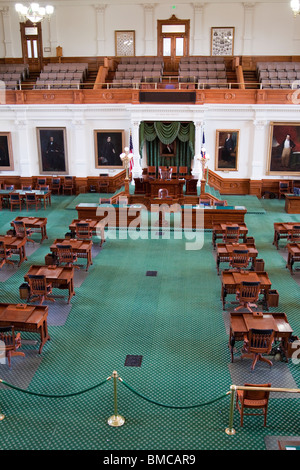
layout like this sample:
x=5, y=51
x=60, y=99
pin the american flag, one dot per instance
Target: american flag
x=131, y=151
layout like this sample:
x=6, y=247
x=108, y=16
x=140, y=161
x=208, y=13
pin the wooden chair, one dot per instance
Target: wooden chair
x=26, y=187
x=9, y=187
x=232, y=234
x=191, y=187
x=22, y=231
x=239, y=259
x=283, y=188
x=152, y=171
x=247, y=293
x=83, y=231
x=68, y=184
x=66, y=256
x=32, y=200
x=294, y=234
x=11, y=342
x=174, y=171
x=257, y=343
x=40, y=182
x=183, y=171
x=39, y=288
x=220, y=203
x=44, y=187
x=253, y=399
x=5, y=254
x=6, y=197
x=55, y=185
x=15, y=200
x=103, y=184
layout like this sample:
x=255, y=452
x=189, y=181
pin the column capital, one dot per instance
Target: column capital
x=149, y=7
x=260, y=124
x=198, y=7
x=100, y=8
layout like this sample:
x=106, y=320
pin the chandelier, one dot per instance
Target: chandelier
x=295, y=6
x=33, y=12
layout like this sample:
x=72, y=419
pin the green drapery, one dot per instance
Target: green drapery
x=154, y=133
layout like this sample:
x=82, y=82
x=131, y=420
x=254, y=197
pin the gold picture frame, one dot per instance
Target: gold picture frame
x=227, y=149
x=6, y=153
x=52, y=149
x=109, y=145
x=283, y=159
x=125, y=43
x=222, y=40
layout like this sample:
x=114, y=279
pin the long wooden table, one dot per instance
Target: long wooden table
x=59, y=277
x=241, y=323
x=214, y=215
x=293, y=255
x=95, y=225
x=82, y=248
x=282, y=230
x=37, y=224
x=26, y=318
x=44, y=196
x=224, y=251
x=232, y=279
x=219, y=229
x=16, y=244
x=115, y=215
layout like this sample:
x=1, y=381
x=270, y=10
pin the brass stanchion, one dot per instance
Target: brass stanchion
x=230, y=431
x=2, y=416
x=115, y=420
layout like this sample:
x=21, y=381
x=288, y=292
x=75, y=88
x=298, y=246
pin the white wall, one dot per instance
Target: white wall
x=253, y=122
x=270, y=26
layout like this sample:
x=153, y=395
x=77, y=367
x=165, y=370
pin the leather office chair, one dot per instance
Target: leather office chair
x=103, y=184
x=68, y=184
x=11, y=341
x=32, y=200
x=257, y=343
x=284, y=188
x=83, y=231
x=55, y=185
x=21, y=230
x=15, y=200
x=232, y=234
x=39, y=288
x=5, y=254
x=253, y=399
x=66, y=256
x=247, y=294
x=239, y=259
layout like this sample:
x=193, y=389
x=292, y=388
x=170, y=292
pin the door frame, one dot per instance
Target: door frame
x=173, y=60
x=26, y=60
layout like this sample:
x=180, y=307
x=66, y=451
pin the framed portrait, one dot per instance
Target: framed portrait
x=52, y=147
x=125, y=43
x=227, y=146
x=222, y=39
x=108, y=147
x=168, y=150
x=284, y=149
x=6, y=154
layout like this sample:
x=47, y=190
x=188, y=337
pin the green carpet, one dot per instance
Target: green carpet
x=173, y=320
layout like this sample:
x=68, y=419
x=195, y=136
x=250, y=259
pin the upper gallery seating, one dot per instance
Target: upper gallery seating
x=13, y=74
x=278, y=74
x=132, y=71
x=208, y=72
x=62, y=75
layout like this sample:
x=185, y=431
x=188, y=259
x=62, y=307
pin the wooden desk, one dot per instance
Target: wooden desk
x=231, y=280
x=173, y=186
x=82, y=248
x=293, y=255
x=220, y=228
x=59, y=277
x=289, y=445
x=241, y=323
x=224, y=251
x=17, y=244
x=37, y=224
x=213, y=215
x=115, y=215
x=292, y=204
x=282, y=230
x=26, y=318
x=44, y=196
x=95, y=225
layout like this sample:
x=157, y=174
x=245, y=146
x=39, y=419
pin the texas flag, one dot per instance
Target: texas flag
x=131, y=151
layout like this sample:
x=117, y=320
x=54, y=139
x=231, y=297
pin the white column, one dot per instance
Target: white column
x=7, y=32
x=53, y=39
x=149, y=30
x=198, y=48
x=77, y=160
x=197, y=171
x=100, y=31
x=248, y=28
x=137, y=169
x=257, y=166
x=24, y=161
x=296, y=34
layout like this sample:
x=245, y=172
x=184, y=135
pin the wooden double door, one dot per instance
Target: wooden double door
x=173, y=42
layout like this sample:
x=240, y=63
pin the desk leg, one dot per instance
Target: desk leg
x=44, y=336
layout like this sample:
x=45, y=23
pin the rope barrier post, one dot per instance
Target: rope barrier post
x=230, y=431
x=115, y=419
x=2, y=416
